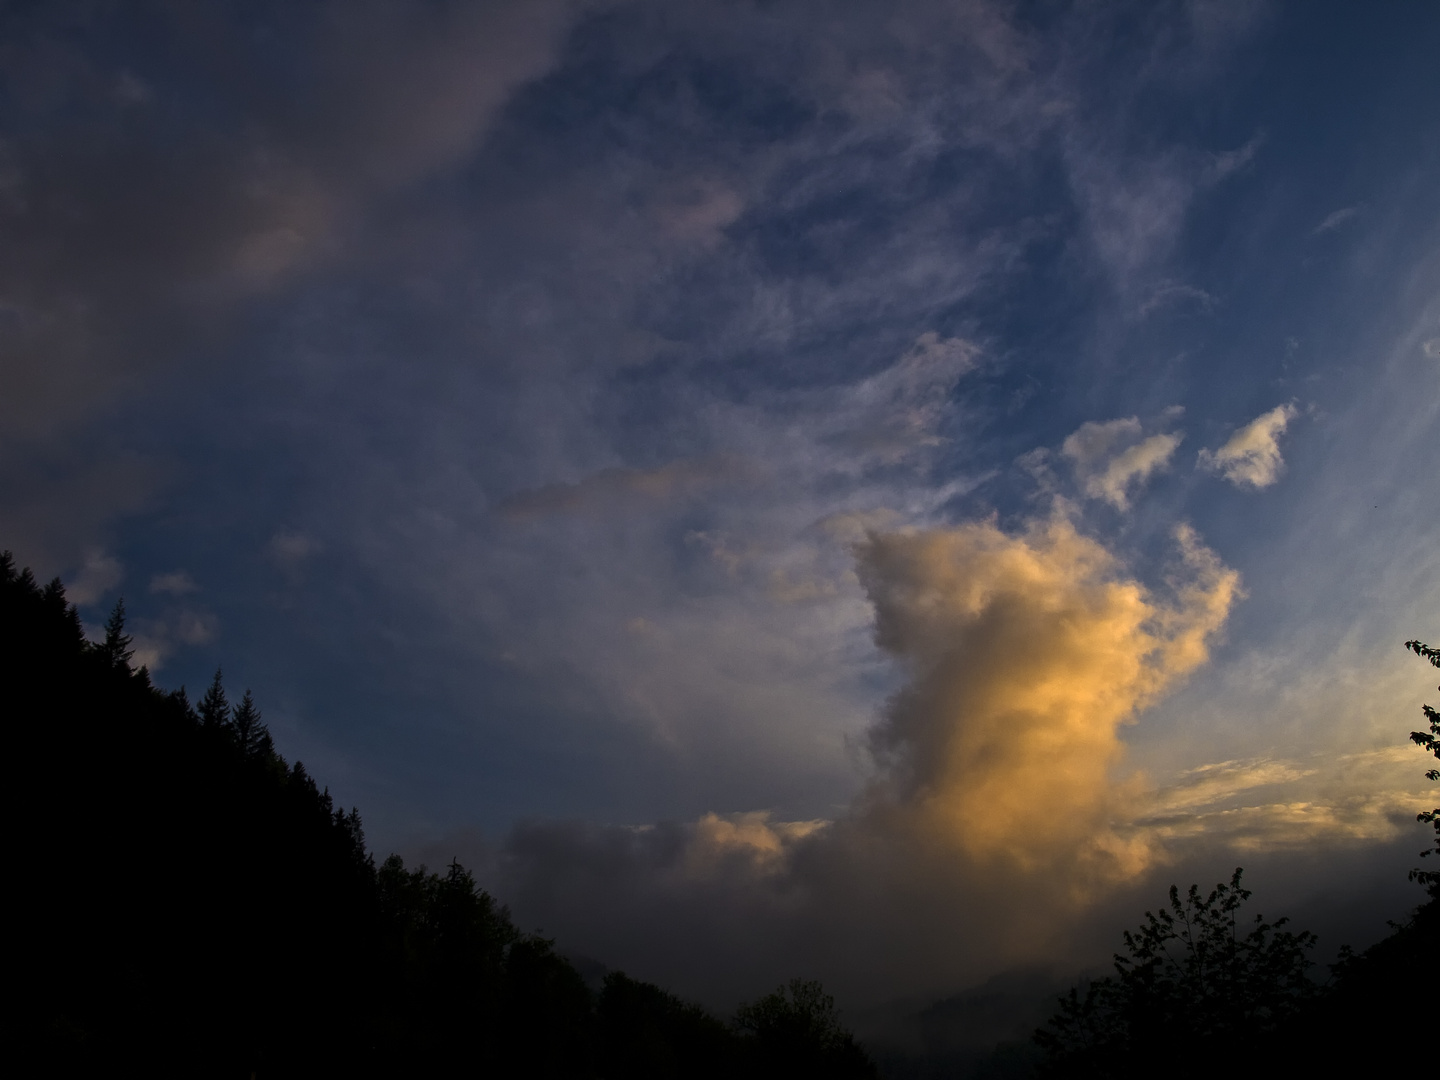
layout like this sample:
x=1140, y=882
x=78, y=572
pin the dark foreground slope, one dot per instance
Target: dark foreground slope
x=184, y=902
x=1206, y=994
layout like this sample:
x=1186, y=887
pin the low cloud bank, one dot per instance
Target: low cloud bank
x=999, y=828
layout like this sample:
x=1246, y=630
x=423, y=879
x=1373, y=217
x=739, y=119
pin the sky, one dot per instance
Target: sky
x=873, y=492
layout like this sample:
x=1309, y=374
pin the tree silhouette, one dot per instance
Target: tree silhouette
x=795, y=1032
x=1428, y=740
x=116, y=647
x=648, y=1034
x=251, y=734
x=1192, y=977
x=214, y=706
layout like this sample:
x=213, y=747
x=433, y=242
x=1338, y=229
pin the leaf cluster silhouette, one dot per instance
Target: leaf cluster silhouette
x=189, y=903
x=1428, y=741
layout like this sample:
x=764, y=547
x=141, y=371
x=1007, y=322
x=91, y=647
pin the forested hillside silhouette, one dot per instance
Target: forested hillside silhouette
x=189, y=903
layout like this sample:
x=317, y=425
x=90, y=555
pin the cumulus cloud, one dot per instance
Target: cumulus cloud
x=1432, y=348
x=1026, y=655
x=1251, y=457
x=1110, y=457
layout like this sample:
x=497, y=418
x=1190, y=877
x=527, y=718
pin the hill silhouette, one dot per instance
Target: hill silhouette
x=189, y=903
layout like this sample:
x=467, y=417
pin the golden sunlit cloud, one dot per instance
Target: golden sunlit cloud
x=1026, y=655
x=1267, y=804
x=750, y=842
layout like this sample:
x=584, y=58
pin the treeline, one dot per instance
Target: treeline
x=188, y=903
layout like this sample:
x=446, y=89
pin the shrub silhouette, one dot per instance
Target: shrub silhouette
x=1197, y=997
x=1192, y=976
x=795, y=1032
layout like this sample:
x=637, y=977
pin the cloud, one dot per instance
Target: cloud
x=1172, y=293
x=999, y=826
x=1432, y=348
x=177, y=583
x=131, y=234
x=753, y=840
x=290, y=550
x=1135, y=206
x=1334, y=220
x=1273, y=804
x=1251, y=457
x=994, y=779
x=897, y=413
x=98, y=575
x=1110, y=457
x=1026, y=654
x=155, y=640
x=697, y=213
x=612, y=489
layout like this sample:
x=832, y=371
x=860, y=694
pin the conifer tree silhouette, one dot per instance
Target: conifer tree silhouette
x=250, y=731
x=116, y=646
x=214, y=706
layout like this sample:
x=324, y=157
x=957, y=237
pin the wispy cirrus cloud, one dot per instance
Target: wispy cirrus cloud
x=1335, y=219
x=614, y=488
